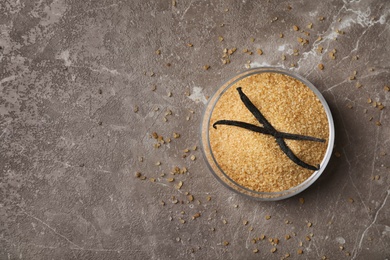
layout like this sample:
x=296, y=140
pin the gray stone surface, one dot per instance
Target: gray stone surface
x=68, y=152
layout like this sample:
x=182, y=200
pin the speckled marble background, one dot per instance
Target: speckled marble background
x=77, y=110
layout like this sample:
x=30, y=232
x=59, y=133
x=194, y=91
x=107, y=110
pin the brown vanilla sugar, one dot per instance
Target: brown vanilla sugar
x=255, y=160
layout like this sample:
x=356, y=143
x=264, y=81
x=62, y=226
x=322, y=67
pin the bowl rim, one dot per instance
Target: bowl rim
x=206, y=149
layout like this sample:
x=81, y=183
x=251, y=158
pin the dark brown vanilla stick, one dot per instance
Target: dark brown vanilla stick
x=262, y=130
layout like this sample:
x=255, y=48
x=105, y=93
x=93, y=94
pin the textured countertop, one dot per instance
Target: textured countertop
x=85, y=84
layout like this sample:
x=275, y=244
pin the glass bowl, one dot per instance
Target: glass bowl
x=229, y=182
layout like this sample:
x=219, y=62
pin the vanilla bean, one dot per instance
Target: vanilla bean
x=262, y=130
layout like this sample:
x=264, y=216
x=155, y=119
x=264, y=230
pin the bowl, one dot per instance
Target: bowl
x=234, y=174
